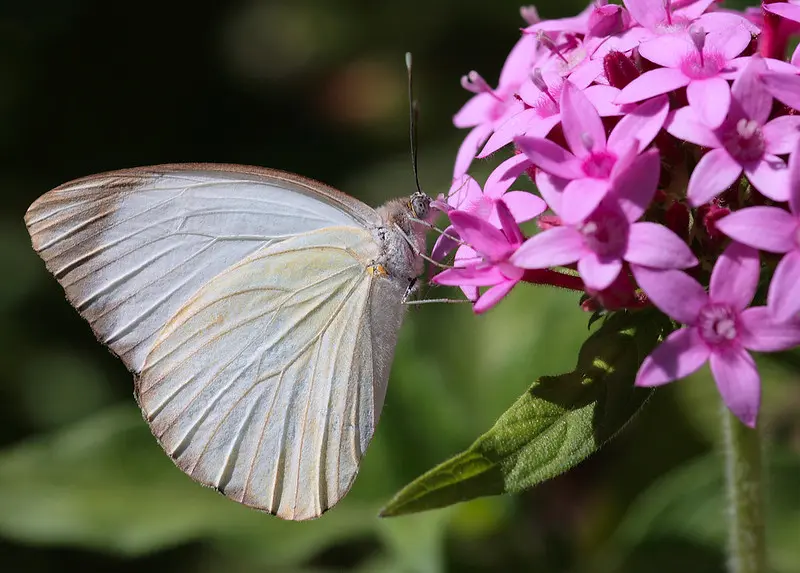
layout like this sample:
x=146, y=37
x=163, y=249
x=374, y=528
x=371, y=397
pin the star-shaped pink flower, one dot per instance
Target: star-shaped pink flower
x=746, y=141
x=490, y=266
x=593, y=162
x=610, y=234
x=698, y=61
x=720, y=329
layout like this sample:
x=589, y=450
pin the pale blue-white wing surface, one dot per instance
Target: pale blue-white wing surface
x=131, y=247
x=268, y=383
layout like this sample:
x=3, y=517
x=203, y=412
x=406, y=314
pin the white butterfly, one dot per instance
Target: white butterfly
x=258, y=311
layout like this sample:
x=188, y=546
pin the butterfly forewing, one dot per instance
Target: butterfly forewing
x=130, y=247
x=241, y=299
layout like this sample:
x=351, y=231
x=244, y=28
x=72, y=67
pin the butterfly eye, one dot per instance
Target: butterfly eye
x=419, y=205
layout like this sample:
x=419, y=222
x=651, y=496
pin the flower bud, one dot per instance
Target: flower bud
x=619, y=69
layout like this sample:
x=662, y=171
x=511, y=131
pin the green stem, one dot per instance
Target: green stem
x=747, y=544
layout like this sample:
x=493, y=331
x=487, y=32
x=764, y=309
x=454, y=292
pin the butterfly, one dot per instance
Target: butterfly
x=257, y=310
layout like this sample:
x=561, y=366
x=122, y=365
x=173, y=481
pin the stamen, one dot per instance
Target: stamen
x=474, y=83
x=668, y=10
x=587, y=141
x=698, y=35
x=541, y=85
x=545, y=41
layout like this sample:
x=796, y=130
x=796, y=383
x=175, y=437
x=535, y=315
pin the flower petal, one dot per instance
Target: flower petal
x=469, y=276
x=550, y=157
x=781, y=134
x=770, y=177
x=581, y=197
x=762, y=332
x=734, y=278
x=446, y=242
x=510, y=227
x=784, y=9
x=519, y=62
x=467, y=257
x=583, y=129
x=784, y=87
x=521, y=123
x=782, y=298
x=598, y=273
x=652, y=83
x=767, y=228
x=464, y=193
x=469, y=148
x=523, y=205
x=711, y=99
x=602, y=98
x=480, y=234
x=668, y=50
x=749, y=93
x=648, y=13
x=642, y=123
x=729, y=41
x=673, y=292
x=738, y=382
x=715, y=172
x=684, y=124
x=552, y=189
x=551, y=248
x=681, y=354
x=492, y=296
x=635, y=187
x=505, y=174
x=794, y=179
x=476, y=111
x=655, y=246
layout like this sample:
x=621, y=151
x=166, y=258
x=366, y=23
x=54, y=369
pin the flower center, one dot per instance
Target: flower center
x=598, y=164
x=702, y=64
x=481, y=207
x=718, y=324
x=606, y=232
x=744, y=140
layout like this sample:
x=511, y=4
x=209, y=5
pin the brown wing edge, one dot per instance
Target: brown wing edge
x=349, y=204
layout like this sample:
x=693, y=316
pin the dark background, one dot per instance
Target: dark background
x=317, y=87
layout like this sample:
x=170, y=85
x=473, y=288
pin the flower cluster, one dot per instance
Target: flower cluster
x=663, y=138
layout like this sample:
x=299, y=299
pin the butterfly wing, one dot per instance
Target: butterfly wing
x=268, y=383
x=131, y=247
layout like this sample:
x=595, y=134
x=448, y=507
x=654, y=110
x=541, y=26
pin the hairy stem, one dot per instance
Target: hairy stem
x=744, y=485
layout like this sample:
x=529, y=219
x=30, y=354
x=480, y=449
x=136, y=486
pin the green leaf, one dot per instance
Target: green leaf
x=552, y=427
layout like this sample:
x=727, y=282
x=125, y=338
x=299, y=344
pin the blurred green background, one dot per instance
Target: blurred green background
x=316, y=87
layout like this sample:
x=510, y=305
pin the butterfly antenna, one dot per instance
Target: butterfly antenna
x=413, y=109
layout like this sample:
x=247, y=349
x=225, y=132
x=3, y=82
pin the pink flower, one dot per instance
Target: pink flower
x=719, y=329
x=609, y=235
x=746, y=141
x=491, y=266
x=489, y=108
x=589, y=171
x=773, y=229
x=466, y=196
x=701, y=62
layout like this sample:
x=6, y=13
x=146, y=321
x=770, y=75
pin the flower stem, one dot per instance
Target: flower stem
x=743, y=457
